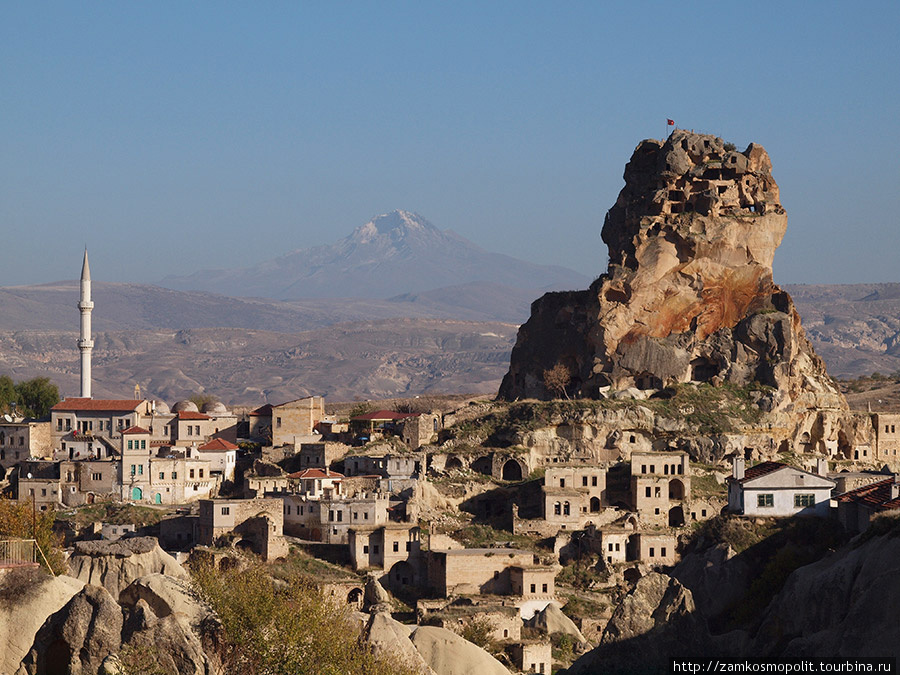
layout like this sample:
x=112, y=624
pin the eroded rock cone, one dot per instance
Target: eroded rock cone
x=688, y=295
x=655, y=622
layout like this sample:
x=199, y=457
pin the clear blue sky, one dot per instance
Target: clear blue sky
x=175, y=136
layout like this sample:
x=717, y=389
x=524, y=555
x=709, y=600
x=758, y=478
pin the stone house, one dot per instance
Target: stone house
x=23, y=439
x=574, y=495
x=321, y=455
x=256, y=524
x=474, y=571
x=419, y=430
x=177, y=478
x=83, y=428
x=533, y=656
x=776, y=489
x=887, y=438
x=37, y=482
x=533, y=581
x=858, y=507
x=660, y=486
x=287, y=423
x=329, y=519
x=393, y=548
x=655, y=548
x=87, y=481
x=614, y=543
x=505, y=620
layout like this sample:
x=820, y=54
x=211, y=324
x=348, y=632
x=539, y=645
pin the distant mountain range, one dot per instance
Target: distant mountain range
x=397, y=253
x=448, y=329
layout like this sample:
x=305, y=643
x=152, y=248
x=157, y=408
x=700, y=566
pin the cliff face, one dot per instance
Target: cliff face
x=688, y=295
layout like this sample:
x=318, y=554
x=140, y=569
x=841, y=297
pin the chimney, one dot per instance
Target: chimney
x=822, y=467
x=737, y=467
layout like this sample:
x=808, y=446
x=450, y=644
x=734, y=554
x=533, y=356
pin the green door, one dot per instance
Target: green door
x=136, y=494
x=157, y=498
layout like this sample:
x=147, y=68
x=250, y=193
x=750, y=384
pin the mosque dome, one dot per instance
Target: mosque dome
x=185, y=406
x=161, y=407
x=214, y=408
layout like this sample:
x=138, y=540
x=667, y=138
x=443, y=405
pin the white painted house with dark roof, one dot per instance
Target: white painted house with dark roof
x=776, y=489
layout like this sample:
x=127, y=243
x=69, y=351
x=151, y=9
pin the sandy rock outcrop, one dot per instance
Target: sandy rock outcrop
x=164, y=618
x=715, y=577
x=115, y=564
x=28, y=598
x=656, y=621
x=392, y=638
x=446, y=653
x=551, y=619
x=375, y=597
x=77, y=638
x=844, y=605
x=688, y=295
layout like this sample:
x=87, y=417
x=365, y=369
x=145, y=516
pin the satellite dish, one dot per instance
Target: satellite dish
x=7, y=418
x=29, y=476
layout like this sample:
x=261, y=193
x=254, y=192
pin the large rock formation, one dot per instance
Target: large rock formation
x=27, y=597
x=115, y=564
x=655, y=622
x=688, y=295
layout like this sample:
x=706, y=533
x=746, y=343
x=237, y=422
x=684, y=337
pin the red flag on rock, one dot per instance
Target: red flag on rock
x=670, y=123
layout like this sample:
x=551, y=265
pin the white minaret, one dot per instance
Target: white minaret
x=85, y=344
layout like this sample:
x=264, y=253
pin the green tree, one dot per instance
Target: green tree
x=20, y=521
x=7, y=393
x=201, y=400
x=37, y=396
x=288, y=628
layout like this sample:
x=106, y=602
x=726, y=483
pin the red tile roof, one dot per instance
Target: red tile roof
x=316, y=473
x=189, y=415
x=383, y=416
x=218, y=444
x=877, y=495
x=97, y=405
x=135, y=430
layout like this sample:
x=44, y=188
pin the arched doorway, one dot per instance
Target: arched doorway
x=454, y=463
x=482, y=465
x=676, y=489
x=157, y=498
x=676, y=516
x=354, y=597
x=594, y=505
x=137, y=494
x=401, y=574
x=512, y=470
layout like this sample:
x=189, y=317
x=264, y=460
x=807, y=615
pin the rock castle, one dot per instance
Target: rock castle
x=688, y=295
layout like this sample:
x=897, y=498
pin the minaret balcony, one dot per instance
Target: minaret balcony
x=86, y=344
x=85, y=305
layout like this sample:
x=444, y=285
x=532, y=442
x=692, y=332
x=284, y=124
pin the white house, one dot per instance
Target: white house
x=222, y=456
x=776, y=489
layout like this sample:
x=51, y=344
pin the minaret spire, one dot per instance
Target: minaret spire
x=85, y=343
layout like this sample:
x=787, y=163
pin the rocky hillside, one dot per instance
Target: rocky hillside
x=854, y=327
x=688, y=295
x=396, y=253
x=371, y=359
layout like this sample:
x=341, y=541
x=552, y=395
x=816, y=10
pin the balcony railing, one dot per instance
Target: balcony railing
x=18, y=552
